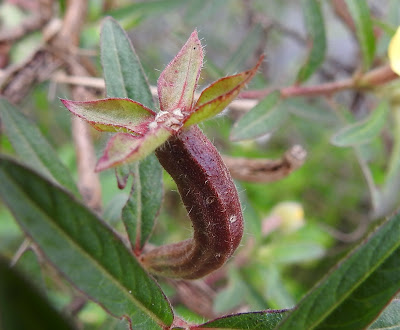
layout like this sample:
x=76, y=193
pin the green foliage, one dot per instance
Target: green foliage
x=316, y=34
x=22, y=306
x=363, y=131
x=274, y=270
x=362, y=19
x=85, y=250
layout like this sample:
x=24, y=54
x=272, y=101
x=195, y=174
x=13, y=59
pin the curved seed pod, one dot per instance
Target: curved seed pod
x=212, y=202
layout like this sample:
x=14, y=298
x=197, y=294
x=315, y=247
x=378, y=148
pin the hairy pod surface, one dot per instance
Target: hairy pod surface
x=212, y=202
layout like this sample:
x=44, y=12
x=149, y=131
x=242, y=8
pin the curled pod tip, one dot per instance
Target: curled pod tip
x=211, y=199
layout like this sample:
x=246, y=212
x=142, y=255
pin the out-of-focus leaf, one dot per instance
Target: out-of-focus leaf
x=275, y=292
x=146, y=8
x=250, y=42
x=29, y=143
x=82, y=247
x=317, y=112
x=231, y=296
x=314, y=22
x=112, y=211
x=264, y=118
x=23, y=307
x=363, y=131
x=178, y=81
x=264, y=320
x=362, y=19
x=141, y=209
x=290, y=252
x=390, y=317
x=218, y=95
x=113, y=114
x=145, y=202
x=362, y=284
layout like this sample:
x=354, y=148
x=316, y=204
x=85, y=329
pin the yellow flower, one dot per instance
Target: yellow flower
x=394, y=52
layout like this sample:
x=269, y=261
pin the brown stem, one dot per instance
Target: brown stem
x=211, y=199
x=375, y=77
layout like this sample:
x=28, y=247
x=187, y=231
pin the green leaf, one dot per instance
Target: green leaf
x=264, y=118
x=390, y=317
x=31, y=146
x=122, y=71
x=82, y=247
x=275, y=291
x=314, y=21
x=143, y=205
x=317, y=112
x=218, y=95
x=145, y=202
x=125, y=147
x=354, y=293
x=290, y=252
x=264, y=320
x=113, y=114
x=363, y=131
x=146, y=8
x=360, y=13
x=22, y=306
x=177, y=83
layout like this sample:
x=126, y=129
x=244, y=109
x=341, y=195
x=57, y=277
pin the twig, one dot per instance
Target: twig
x=266, y=170
x=21, y=250
x=375, y=77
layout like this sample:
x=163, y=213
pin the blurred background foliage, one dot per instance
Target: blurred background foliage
x=329, y=194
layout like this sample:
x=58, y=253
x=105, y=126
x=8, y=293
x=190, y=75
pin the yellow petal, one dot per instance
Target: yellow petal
x=394, y=52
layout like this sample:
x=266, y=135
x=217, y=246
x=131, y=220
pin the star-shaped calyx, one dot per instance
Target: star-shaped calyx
x=140, y=130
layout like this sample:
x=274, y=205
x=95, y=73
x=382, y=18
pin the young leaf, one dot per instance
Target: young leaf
x=178, y=81
x=29, y=143
x=363, y=131
x=124, y=147
x=218, y=95
x=265, y=320
x=140, y=211
x=364, y=27
x=264, y=118
x=365, y=280
x=113, y=114
x=82, y=247
x=316, y=33
x=22, y=306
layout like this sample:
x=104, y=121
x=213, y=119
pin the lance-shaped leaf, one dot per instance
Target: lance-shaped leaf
x=32, y=147
x=84, y=249
x=218, y=95
x=178, y=81
x=264, y=320
x=113, y=114
x=363, y=131
x=125, y=147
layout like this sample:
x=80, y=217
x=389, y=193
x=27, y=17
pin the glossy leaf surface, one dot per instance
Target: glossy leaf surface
x=178, y=81
x=113, y=114
x=264, y=118
x=361, y=285
x=314, y=22
x=82, y=247
x=32, y=147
